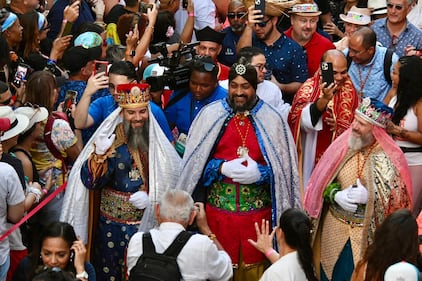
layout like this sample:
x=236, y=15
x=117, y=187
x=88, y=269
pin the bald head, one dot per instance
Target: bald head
x=366, y=36
x=333, y=54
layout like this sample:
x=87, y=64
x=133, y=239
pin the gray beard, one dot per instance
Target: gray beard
x=138, y=138
x=360, y=142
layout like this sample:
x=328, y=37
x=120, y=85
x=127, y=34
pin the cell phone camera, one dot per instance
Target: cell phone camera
x=324, y=66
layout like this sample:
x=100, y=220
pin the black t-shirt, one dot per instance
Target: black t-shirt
x=114, y=14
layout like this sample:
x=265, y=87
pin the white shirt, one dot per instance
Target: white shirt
x=287, y=268
x=199, y=259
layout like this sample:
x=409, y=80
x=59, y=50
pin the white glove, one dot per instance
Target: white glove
x=139, y=199
x=358, y=194
x=103, y=143
x=343, y=200
x=230, y=167
x=249, y=174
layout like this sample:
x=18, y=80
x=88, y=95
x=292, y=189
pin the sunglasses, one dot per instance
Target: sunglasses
x=263, y=23
x=398, y=7
x=239, y=15
x=207, y=66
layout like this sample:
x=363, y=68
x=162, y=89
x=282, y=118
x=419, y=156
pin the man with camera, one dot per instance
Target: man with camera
x=183, y=106
x=321, y=111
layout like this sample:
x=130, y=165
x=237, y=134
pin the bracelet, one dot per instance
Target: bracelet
x=49, y=61
x=270, y=252
x=191, y=14
x=64, y=21
x=36, y=192
x=44, y=191
x=212, y=236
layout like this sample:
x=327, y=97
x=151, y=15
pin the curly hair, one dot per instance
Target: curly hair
x=409, y=89
x=396, y=239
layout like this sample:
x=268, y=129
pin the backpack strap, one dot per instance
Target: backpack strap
x=388, y=58
x=179, y=242
x=147, y=244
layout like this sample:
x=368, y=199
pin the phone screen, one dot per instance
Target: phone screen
x=20, y=75
x=69, y=99
x=260, y=5
x=67, y=29
x=327, y=72
x=101, y=66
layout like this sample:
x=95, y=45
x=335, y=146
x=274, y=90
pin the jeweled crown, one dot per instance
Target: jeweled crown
x=133, y=95
x=375, y=112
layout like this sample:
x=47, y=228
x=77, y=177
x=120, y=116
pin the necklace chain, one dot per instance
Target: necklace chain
x=362, y=83
x=242, y=120
x=365, y=158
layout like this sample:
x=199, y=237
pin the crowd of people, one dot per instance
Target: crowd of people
x=276, y=144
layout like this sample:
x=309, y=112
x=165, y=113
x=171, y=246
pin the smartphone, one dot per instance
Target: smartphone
x=69, y=99
x=327, y=72
x=20, y=75
x=101, y=67
x=67, y=29
x=143, y=7
x=184, y=4
x=260, y=5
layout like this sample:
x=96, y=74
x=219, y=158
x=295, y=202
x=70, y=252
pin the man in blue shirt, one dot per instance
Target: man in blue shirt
x=367, y=67
x=91, y=115
x=285, y=58
x=395, y=31
x=237, y=16
x=203, y=89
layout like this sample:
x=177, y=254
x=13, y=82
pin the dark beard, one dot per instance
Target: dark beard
x=138, y=138
x=247, y=106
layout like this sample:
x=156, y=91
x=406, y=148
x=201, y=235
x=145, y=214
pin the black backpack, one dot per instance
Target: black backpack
x=152, y=266
x=388, y=57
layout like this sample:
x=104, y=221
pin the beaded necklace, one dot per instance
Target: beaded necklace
x=365, y=158
x=362, y=83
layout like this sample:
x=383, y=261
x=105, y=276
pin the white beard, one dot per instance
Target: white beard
x=358, y=143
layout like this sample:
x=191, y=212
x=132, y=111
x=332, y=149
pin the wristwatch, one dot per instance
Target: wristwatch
x=83, y=275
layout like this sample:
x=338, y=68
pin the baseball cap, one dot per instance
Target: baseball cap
x=402, y=271
x=87, y=47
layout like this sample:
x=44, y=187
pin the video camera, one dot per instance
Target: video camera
x=177, y=73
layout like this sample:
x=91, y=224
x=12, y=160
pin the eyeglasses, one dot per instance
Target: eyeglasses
x=394, y=41
x=351, y=51
x=239, y=15
x=398, y=7
x=260, y=67
x=44, y=28
x=263, y=23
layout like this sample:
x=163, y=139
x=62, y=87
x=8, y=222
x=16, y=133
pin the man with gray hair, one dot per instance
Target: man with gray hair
x=202, y=257
x=395, y=32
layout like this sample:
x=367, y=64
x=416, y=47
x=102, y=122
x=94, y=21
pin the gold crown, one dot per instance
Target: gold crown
x=133, y=95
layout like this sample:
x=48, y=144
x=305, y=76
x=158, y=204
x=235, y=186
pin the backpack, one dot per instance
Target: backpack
x=388, y=57
x=152, y=266
x=49, y=142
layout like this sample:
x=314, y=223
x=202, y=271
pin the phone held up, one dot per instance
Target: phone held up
x=69, y=99
x=101, y=67
x=260, y=5
x=20, y=75
x=327, y=73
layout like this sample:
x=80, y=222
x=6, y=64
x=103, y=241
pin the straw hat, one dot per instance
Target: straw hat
x=378, y=7
x=359, y=16
x=34, y=115
x=306, y=10
x=18, y=122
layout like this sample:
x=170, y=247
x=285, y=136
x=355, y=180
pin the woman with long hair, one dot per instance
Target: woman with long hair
x=35, y=30
x=293, y=235
x=406, y=125
x=58, y=247
x=395, y=240
x=41, y=90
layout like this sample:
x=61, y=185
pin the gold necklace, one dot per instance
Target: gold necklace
x=242, y=150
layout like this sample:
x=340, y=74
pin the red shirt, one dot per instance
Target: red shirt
x=315, y=48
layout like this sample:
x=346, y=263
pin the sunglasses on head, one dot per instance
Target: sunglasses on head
x=263, y=23
x=239, y=15
x=398, y=7
x=206, y=65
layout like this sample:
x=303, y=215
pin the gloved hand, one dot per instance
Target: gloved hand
x=248, y=175
x=139, y=199
x=230, y=167
x=358, y=194
x=343, y=200
x=103, y=142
